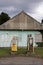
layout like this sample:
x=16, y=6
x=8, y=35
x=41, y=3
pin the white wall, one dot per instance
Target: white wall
x=6, y=37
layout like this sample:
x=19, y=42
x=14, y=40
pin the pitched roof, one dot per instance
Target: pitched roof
x=22, y=21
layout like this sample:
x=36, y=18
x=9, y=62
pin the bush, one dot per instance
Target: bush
x=40, y=44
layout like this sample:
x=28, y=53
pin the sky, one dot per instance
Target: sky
x=33, y=8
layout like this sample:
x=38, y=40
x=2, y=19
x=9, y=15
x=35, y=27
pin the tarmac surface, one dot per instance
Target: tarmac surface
x=21, y=61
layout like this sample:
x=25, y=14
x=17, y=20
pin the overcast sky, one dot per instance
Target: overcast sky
x=32, y=7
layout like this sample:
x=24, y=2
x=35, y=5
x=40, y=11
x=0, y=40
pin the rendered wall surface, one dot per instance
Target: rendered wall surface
x=6, y=37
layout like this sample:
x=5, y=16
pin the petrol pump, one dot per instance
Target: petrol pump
x=14, y=44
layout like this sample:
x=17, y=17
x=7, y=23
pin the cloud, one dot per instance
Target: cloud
x=33, y=7
x=10, y=8
x=39, y=9
x=38, y=15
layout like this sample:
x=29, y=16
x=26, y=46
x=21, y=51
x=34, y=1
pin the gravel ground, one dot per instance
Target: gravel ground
x=21, y=61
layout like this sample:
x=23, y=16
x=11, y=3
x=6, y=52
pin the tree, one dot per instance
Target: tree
x=4, y=17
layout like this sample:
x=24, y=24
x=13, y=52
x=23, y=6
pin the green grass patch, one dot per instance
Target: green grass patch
x=21, y=51
x=39, y=51
x=4, y=52
x=7, y=51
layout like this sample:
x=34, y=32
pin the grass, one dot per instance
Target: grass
x=6, y=51
x=21, y=51
x=39, y=51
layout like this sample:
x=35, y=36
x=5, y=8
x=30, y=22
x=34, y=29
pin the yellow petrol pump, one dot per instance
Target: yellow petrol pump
x=14, y=44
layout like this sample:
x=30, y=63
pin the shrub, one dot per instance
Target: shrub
x=40, y=44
